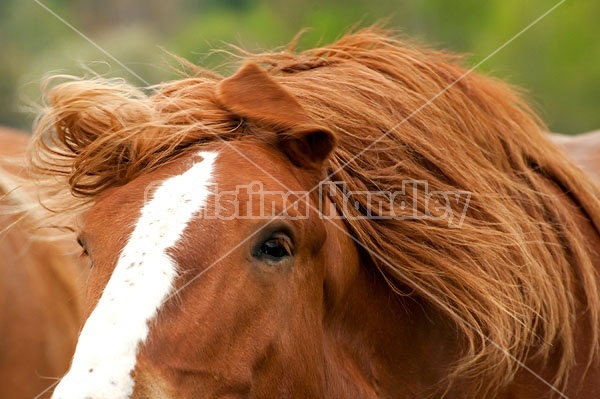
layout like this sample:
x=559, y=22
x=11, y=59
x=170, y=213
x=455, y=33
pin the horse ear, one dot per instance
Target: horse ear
x=254, y=95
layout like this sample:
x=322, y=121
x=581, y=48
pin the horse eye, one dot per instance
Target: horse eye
x=84, y=251
x=274, y=249
x=82, y=245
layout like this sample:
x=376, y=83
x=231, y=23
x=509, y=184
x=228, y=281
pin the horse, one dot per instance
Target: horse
x=365, y=219
x=40, y=309
x=583, y=149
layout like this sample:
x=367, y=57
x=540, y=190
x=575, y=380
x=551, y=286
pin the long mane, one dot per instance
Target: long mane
x=514, y=279
x=17, y=201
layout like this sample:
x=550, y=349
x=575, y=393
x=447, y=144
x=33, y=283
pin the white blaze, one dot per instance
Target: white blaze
x=141, y=281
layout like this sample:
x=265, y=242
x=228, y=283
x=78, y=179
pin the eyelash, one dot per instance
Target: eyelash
x=82, y=245
x=84, y=253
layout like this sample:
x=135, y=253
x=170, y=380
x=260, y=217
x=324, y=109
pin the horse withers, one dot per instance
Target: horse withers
x=362, y=220
x=40, y=309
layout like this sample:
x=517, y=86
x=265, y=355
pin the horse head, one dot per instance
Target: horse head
x=362, y=220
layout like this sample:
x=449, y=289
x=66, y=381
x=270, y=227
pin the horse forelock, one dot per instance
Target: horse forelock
x=507, y=277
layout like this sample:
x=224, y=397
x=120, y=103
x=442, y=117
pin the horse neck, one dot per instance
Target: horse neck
x=378, y=343
x=381, y=344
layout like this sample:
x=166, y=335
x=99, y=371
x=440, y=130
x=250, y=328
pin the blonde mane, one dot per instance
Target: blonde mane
x=516, y=277
x=16, y=191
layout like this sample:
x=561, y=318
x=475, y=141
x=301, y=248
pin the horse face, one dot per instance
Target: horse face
x=202, y=285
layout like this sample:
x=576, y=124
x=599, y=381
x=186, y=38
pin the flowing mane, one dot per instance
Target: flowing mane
x=16, y=198
x=512, y=279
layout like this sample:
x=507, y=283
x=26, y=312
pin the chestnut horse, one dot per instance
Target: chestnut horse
x=40, y=311
x=362, y=220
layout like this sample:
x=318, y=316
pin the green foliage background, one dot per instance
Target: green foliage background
x=557, y=60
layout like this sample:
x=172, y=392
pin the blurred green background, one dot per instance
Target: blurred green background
x=557, y=61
